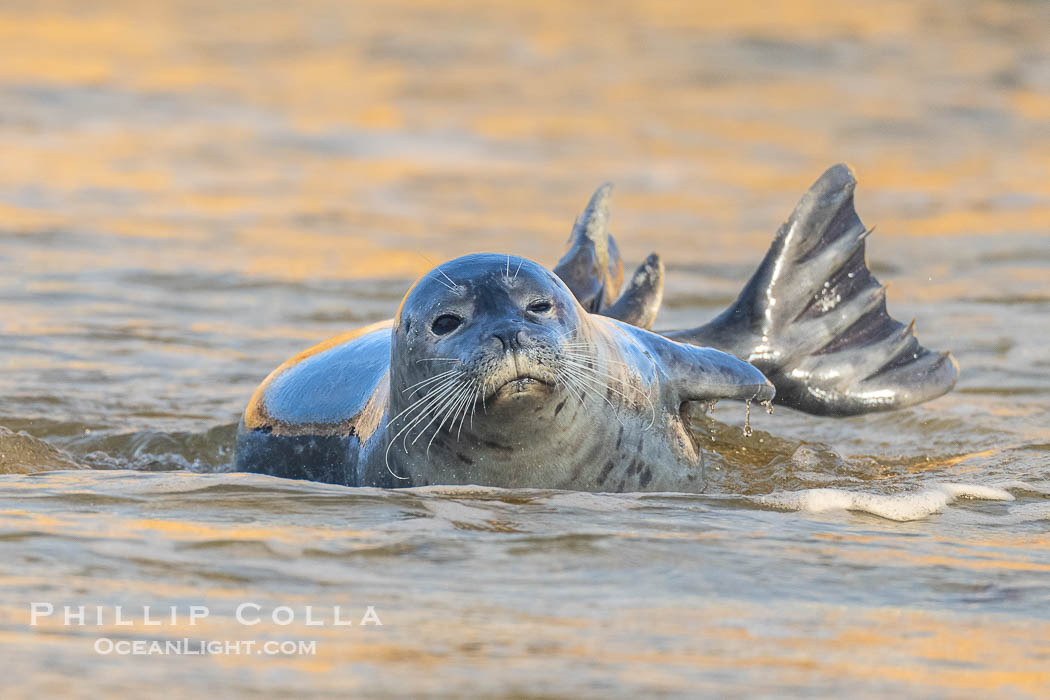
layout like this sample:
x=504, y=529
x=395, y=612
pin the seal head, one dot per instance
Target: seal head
x=485, y=327
x=484, y=333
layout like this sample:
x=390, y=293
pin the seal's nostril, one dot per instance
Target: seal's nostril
x=511, y=339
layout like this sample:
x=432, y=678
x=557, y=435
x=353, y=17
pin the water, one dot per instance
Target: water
x=192, y=193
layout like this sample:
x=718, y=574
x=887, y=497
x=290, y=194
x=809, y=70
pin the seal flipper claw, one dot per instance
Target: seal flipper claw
x=591, y=267
x=813, y=318
x=640, y=301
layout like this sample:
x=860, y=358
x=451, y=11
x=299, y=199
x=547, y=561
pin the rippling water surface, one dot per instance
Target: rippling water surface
x=191, y=192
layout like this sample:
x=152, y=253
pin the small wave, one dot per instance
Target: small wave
x=21, y=453
x=902, y=506
x=1027, y=488
x=209, y=451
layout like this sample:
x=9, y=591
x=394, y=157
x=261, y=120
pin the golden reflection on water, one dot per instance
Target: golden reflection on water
x=441, y=632
x=422, y=650
x=418, y=125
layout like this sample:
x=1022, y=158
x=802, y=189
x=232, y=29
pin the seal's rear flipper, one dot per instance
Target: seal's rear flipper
x=813, y=318
x=593, y=270
x=591, y=267
x=641, y=299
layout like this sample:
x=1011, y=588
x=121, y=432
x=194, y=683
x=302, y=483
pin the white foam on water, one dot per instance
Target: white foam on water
x=900, y=506
x=1039, y=487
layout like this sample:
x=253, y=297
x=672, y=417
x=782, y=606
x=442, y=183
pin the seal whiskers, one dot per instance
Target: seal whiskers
x=422, y=407
x=450, y=410
x=447, y=402
x=429, y=380
x=452, y=281
x=585, y=371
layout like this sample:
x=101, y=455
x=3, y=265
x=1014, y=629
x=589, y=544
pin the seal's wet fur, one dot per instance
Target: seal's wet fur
x=497, y=371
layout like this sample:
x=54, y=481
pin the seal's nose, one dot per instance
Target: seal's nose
x=512, y=338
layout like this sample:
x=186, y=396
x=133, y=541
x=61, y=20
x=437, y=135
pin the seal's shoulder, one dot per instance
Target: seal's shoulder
x=334, y=388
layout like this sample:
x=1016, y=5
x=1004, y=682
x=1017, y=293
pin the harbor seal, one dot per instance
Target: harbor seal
x=497, y=371
x=493, y=373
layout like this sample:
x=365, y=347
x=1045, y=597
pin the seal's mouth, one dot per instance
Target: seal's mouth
x=520, y=386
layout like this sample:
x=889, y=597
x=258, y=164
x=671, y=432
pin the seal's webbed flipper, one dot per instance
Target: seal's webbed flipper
x=813, y=318
x=591, y=267
x=710, y=375
x=641, y=299
x=702, y=374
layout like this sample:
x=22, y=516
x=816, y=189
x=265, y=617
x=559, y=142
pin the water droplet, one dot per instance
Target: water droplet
x=747, y=418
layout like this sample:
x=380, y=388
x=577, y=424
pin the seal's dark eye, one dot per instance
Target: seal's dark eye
x=539, y=307
x=443, y=325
